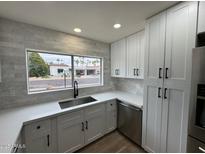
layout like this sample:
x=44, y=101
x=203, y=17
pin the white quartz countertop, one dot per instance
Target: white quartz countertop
x=12, y=120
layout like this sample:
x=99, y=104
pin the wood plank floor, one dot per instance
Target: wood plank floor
x=112, y=143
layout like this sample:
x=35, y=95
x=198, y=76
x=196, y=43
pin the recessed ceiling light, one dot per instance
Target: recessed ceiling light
x=116, y=26
x=77, y=30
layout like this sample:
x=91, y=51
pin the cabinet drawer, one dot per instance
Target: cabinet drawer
x=111, y=106
x=38, y=128
x=70, y=118
x=94, y=110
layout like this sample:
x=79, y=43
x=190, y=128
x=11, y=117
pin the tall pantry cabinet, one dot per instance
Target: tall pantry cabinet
x=170, y=37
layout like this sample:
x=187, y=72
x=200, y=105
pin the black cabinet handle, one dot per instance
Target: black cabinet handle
x=166, y=73
x=16, y=149
x=86, y=124
x=137, y=72
x=38, y=127
x=134, y=71
x=160, y=72
x=48, y=140
x=82, y=126
x=159, y=92
x=165, y=93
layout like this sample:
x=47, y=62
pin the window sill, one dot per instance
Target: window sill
x=70, y=88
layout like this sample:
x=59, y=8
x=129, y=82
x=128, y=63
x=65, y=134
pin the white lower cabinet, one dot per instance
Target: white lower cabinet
x=79, y=128
x=111, y=116
x=70, y=131
x=94, y=122
x=38, y=137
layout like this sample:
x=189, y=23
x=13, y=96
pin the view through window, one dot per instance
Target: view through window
x=87, y=71
x=51, y=71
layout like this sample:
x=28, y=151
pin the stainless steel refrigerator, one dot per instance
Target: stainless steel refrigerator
x=196, y=137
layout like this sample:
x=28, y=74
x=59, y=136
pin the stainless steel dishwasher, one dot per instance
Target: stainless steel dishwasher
x=129, y=122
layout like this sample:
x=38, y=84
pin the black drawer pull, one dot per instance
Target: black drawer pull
x=137, y=72
x=48, y=140
x=86, y=123
x=165, y=93
x=82, y=126
x=160, y=72
x=38, y=127
x=159, y=92
x=166, y=73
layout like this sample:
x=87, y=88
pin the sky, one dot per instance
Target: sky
x=53, y=58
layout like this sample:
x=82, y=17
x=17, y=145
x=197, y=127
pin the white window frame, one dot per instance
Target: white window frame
x=72, y=57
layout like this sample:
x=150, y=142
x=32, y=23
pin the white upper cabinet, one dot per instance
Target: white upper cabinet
x=140, y=59
x=132, y=54
x=201, y=18
x=118, y=58
x=127, y=57
x=155, y=44
x=180, y=40
x=135, y=55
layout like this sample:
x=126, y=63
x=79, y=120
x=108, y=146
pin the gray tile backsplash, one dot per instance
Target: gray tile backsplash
x=134, y=86
x=15, y=37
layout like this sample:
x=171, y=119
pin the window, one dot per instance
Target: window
x=52, y=71
x=87, y=70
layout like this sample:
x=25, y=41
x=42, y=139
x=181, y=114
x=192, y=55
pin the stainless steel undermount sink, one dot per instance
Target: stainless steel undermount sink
x=75, y=102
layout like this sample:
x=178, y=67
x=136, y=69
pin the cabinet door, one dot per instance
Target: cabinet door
x=152, y=109
x=70, y=131
x=114, y=66
x=118, y=58
x=180, y=39
x=111, y=116
x=153, y=83
x=38, y=137
x=132, y=55
x=140, y=57
x=154, y=52
x=201, y=19
x=94, y=122
x=174, y=121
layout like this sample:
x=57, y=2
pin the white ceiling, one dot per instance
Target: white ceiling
x=96, y=19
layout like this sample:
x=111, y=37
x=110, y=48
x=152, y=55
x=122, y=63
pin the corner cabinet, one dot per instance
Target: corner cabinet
x=127, y=57
x=38, y=137
x=170, y=39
